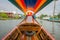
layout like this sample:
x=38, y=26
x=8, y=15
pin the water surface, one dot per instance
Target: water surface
x=7, y=25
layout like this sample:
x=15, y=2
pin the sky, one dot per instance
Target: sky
x=7, y=6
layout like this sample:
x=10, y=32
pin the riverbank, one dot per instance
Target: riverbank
x=10, y=18
x=52, y=20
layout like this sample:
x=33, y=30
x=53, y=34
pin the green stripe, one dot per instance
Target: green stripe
x=14, y=3
x=45, y=4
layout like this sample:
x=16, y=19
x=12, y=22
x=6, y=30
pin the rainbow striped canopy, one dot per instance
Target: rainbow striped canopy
x=34, y=5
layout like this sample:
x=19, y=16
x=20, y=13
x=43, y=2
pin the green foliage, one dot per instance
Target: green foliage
x=16, y=16
x=55, y=16
x=58, y=15
x=3, y=15
x=41, y=16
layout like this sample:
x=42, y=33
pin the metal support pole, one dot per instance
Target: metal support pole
x=53, y=16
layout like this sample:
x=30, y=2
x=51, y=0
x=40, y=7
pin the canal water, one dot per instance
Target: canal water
x=54, y=29
x=7, y=25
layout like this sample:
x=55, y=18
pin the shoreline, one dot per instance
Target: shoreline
x=52, y=20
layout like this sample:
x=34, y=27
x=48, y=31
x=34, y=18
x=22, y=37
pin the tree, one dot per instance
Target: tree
x=16, y=16
x=58, y=15
x=3, y=15
x=41, y=16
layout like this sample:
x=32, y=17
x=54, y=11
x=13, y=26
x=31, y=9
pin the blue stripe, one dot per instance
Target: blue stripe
x=30, y=3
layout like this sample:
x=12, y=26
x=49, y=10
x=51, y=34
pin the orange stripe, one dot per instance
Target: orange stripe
x=30, y=8
x=40, y=4
x=35, y=9
x=21, y=4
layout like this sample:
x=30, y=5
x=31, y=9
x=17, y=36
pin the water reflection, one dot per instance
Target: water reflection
x=53, y=29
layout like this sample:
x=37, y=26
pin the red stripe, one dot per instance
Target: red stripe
x=38, y=3
x=23, y=3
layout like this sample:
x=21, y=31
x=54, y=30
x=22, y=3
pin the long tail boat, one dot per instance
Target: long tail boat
x=29, y=28
x=28, y=31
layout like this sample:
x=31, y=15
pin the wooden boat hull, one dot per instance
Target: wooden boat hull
x=18, y=33
x=28, y=31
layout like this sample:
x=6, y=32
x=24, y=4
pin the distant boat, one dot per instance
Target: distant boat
x=28, y=31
